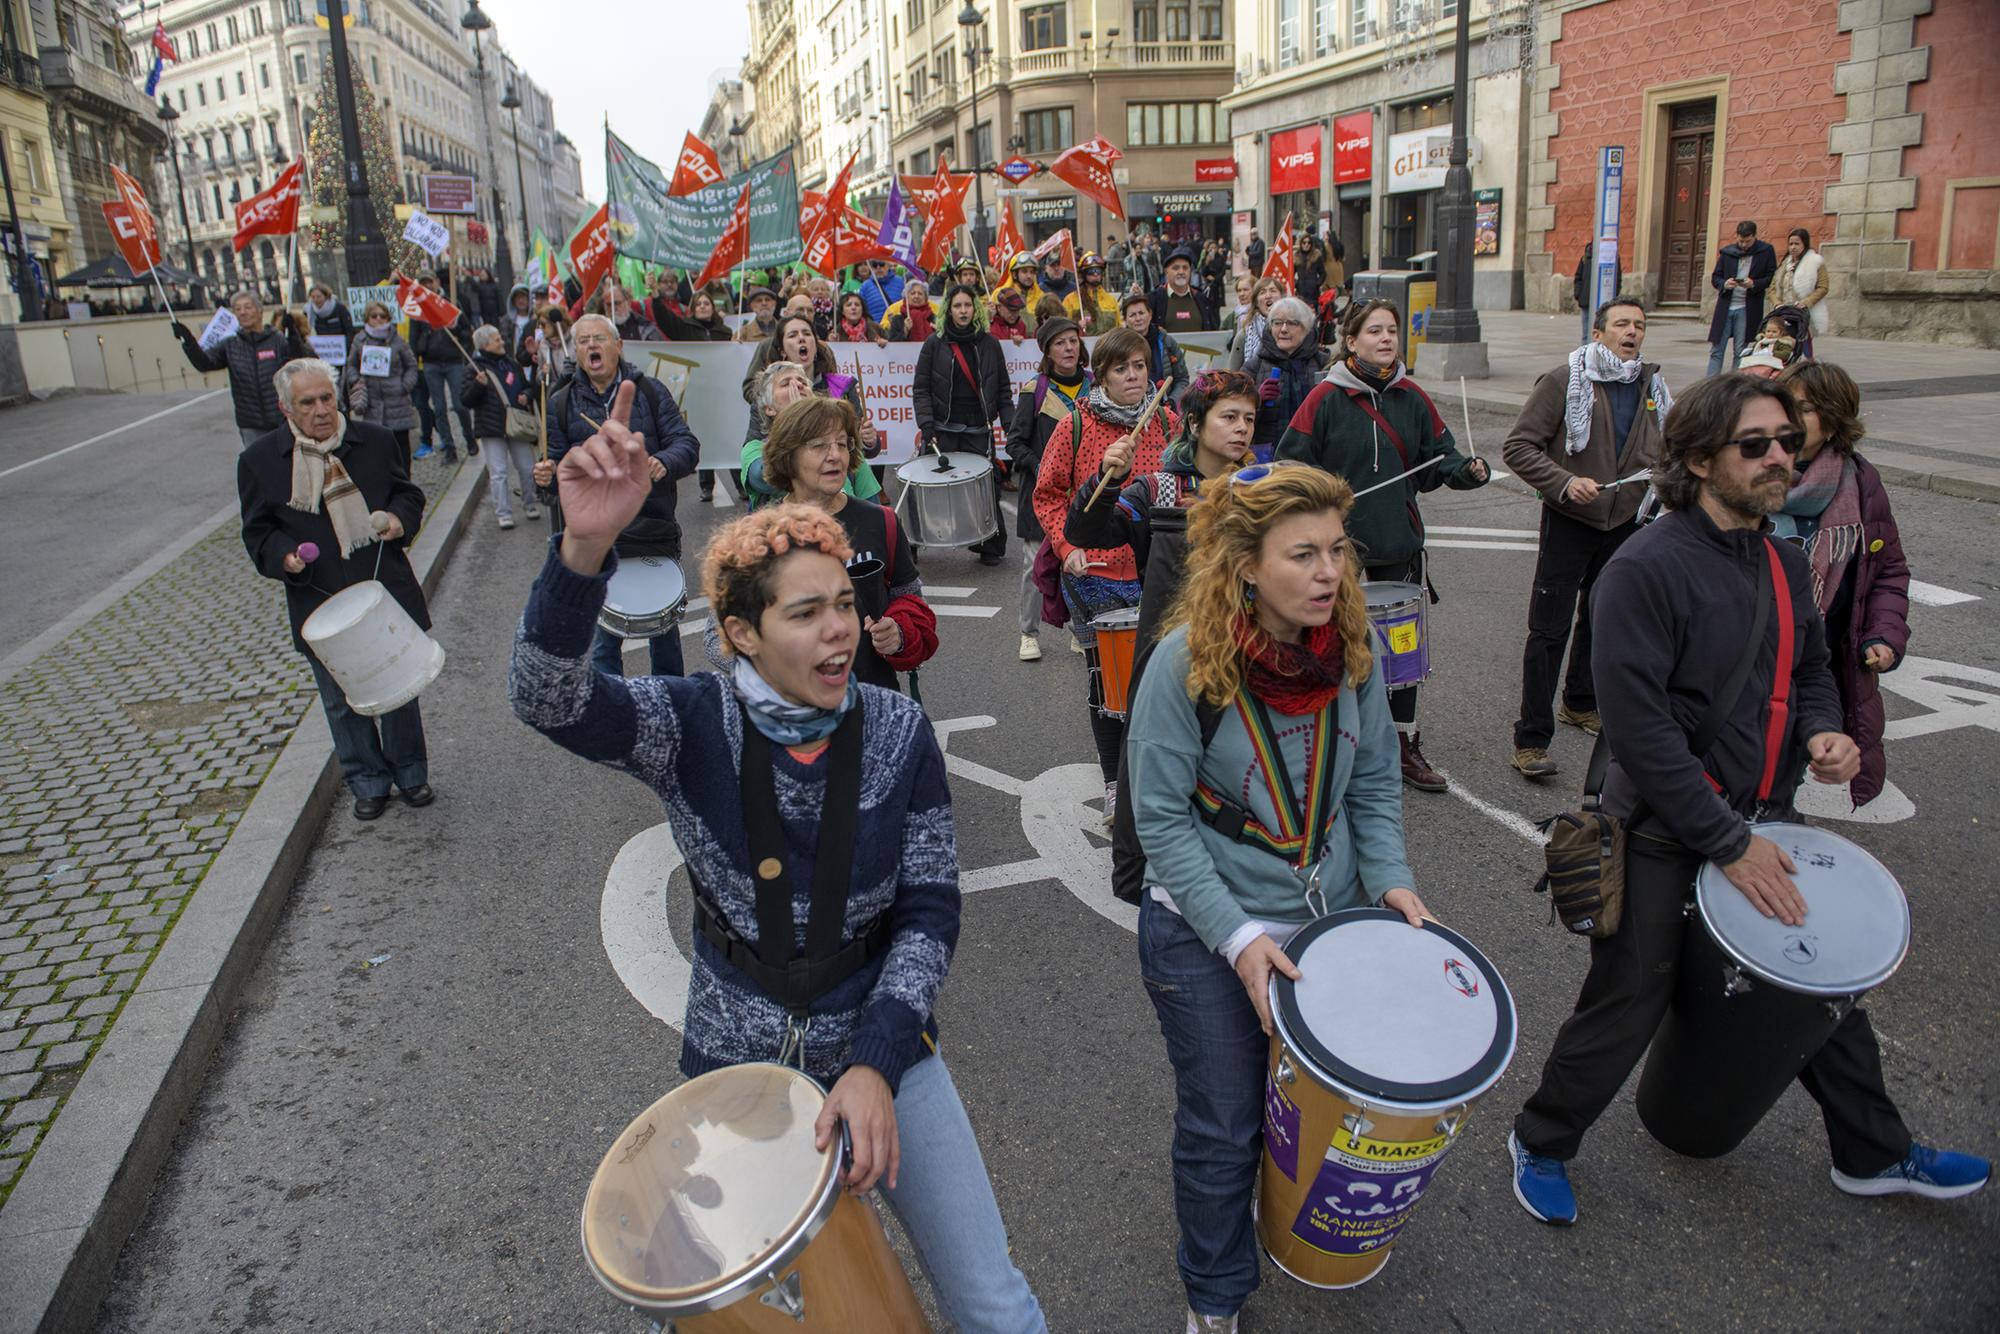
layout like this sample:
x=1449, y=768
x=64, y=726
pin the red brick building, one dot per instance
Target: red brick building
x=1874, y=124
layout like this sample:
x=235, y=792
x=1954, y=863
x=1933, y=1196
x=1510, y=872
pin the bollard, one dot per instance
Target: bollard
x=133, y=357
x=104, y=361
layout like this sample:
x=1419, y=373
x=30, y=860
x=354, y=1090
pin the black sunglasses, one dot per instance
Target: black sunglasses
x=1757, y=446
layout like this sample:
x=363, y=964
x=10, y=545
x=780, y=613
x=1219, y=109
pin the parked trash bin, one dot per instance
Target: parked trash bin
x=1413, y=292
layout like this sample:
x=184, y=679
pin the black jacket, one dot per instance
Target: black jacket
x=489, y=412
x=435, y=347
x=1297, y=374
x=341, y=322
x=1763, y=266
x=1028, y=435
x=930, y=391
x=273, y=530
x=656, y=416
x=1669, y=618
x=252, y=360
x=1157, y=301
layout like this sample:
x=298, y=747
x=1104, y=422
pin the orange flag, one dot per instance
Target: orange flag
x=944, y=213
x=1279, y=264
x=1088, y=168
x=1008, y=243
x=697, y=169
x=819, y=226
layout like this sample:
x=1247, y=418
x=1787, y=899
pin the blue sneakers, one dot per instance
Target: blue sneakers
x=424, y=452
x=1542, y=1185
x=1937, y=1174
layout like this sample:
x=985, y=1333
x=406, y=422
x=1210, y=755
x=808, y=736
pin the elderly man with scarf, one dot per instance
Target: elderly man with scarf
x=1588, y=425
x=327, y=504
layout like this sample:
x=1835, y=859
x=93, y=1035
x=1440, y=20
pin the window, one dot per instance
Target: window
x=1146, y=20
x=213, y=44
x=299, y=66
x=241, y=89
x=944, y=65
x=221, y=93
x=982, y=142
x=1421, y=115
x=234, y=36
x=1169, y=124
x=1208, y=20
x=263, y=76
x=193, y=43
x=201, y=94
x=920, y=162
x=374, y=68
x=1180, y=25
x=184, y=99
x=1289, y=36
x=913, y=14
x=1326, y=17
x=200, y=207
x=257, y=22
x=1047, y=131
x=215, y=192
x=1044, y=27
x=27, y=161
x=1361, y=22
x=208, y=148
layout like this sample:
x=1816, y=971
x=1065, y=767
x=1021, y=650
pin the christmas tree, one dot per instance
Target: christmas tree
x=327, y=178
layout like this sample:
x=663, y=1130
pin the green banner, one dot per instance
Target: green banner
x=647, y=224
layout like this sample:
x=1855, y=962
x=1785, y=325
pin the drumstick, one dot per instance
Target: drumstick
x=1439, y=458
x=1144, y=418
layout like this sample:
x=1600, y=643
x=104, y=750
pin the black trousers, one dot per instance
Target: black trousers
x=1625, y=996
x=1572, y=556
x=978, y=440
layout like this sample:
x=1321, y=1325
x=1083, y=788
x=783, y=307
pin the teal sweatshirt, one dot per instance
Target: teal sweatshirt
x=1218, y=884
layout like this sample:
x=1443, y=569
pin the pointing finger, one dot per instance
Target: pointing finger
x=621, y=403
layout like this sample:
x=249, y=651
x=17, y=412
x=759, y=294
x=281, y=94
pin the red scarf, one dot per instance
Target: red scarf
x=1294, y=679
x=854, y=333
x=920, y=325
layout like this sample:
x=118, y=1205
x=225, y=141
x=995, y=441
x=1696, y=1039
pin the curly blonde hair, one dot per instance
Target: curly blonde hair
x=1226, y=530
x=741, y=560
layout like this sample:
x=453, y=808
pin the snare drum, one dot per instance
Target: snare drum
x=646, y=597
x=950, y=500
x=714, y=1211
x=1117, y=634
x=1402, y=631
x=1756, y=999
x=1382, y=1046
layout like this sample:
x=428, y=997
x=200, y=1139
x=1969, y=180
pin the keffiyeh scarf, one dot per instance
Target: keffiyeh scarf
x=1823, y=513
x=319, y=479
x=1589, y=364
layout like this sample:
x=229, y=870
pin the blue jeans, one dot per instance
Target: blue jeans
x=945, y=1201
x=374, y=752
x=1219, y=1053
x=607, y=653
x=1734, y=329
x=444, y=383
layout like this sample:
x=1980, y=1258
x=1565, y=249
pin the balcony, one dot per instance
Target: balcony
x=1154, y=54
x=1071, y=61
x=1057, y=60
x=66, y=71
x=18, y=69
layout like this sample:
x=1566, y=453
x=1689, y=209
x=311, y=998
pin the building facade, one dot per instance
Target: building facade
x=771, y=75
x=722, y=125
x=34, y=186
x=1868, y=123
x=842, y=53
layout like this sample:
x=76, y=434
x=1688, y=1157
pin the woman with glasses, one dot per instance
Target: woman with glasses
x=1370, y=424
x=1288, y=364
x=1263, y=702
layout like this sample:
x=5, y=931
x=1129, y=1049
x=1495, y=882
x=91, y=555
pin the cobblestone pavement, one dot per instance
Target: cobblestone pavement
x=127, y=754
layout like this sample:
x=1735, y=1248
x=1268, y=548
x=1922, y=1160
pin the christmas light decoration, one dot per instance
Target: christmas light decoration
x=326, y=169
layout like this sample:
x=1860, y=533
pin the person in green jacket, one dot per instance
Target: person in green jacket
x=1269, y=636
x=1369, y=423
x=779, y=386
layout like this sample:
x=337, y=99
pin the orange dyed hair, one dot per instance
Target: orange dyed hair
x=737, y=567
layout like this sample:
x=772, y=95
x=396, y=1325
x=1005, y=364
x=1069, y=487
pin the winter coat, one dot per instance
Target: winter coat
x=1878, y=613
x=252, y=360
x=273, y=530
x=1538, y=453
x=1074, y=457
x=1166, y=361
x=1040, y=410
x=573, y=407
x=878, y=294
x=1802, y=284
x=930, y=389
x=435, y=346
x=1334, y=431
x=1763, y=265
x=339, y=320
x=1157, y=301
x=489, y=411
x=385, y=399
x=1100, y=318
x=1297, y=374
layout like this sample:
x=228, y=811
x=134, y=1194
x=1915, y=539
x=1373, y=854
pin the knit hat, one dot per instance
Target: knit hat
x=1011, y=298
x=1053, y=328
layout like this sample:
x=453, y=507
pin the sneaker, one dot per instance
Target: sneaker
x=506, y=521
x=533, y=511
x=424, y=452
x=1542, y=1185
x=1075, y=645
x=1210, y=1324
x=1534, y=761
x=1585, y=719
x=1110, y=802
x=1936, y=1174
x=1417, y=771
x=1031, y=649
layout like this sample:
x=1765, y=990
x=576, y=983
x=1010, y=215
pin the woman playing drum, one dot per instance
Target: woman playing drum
x=1264, y=688
x=822, y=763
x=1369, y=423
x=1097, y=581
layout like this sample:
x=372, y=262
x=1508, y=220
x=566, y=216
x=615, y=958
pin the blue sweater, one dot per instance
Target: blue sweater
x=683, y=737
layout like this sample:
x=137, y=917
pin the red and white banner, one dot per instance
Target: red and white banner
x=1062, y=241
x=591, y=254
x=134, y=196
x=925, y=191
x=943, y=202
x=1295, y=160
x=1088, y=167
x=1279, y=264
x=1353, y=147
x=854, y=239
x=162, y=44
x=1008, y=242
x=734, y=247
x=697, y=169
x=418, y=302
x=140, y=254
x=1208, y=169
x=272, y=212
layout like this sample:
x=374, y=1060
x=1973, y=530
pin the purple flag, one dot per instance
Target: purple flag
x=897, y=233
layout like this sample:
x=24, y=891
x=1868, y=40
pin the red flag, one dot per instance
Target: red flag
x=140, y=255
x=162, y=44
x=591, y=255
x=923, y=191
x=734, y=247
x=274, y=212
x=1088, y=168
x=1008, y=243
x=418, y=302
x=134, y=197
x=1060, y=241
x=943, y=202
x=697, y=170
x=1279, y=265
x=819, y=227
x=852, y=239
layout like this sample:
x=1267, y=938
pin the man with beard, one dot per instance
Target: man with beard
x=1674, y=611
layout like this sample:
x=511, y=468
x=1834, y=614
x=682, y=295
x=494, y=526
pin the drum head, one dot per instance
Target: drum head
x=644, y=586
x=923, y=470
x=1390, y=594
x=1122, y=618
x=1392, y=1015
x=711, y=1186
x=1857, y=926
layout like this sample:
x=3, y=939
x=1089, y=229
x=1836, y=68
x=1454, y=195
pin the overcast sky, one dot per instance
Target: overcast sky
x=648, y=64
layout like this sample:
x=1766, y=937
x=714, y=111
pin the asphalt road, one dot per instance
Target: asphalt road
x=406, y=1145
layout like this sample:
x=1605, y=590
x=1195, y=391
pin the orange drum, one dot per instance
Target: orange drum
x=1117, y=641
x=715, y=1214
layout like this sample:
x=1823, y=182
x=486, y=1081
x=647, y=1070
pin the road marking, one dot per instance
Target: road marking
x=1526, y=534
x=978, y=613
x=1956, y=695
x=1012, y=873
x=1891, y=806
x=1475, y=545
x=632, y=917
x=947, y=591
x=1519, y=824
x=116, y=430
x=1930, y=595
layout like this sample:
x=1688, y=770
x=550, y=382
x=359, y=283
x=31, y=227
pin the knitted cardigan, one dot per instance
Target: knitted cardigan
x=683, y=737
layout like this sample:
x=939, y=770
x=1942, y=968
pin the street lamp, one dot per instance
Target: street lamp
x=476, y=22
x=1092, y=53
x=367, y=249
x=512, y=104
x=737, y=130
x=168, y=115
x=972, y=20
x=1454, y=324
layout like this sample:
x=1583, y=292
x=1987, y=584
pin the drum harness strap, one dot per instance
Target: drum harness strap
x=1300, y=834
x=791, y=979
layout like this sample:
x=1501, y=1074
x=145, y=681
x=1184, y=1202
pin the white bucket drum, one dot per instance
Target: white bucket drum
x=381, y=658
x=949, y=499
x=1382, y=1046
x=714, y=1211
x=645, y=597
x=1756, y=999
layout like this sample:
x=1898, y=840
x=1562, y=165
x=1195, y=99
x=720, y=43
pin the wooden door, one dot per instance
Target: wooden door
x=1684, y=255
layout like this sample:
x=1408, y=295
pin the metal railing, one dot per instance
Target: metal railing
x=20, y=70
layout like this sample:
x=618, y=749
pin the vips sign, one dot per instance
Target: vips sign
x=1208, y=169
x=1353, y=147
x=1295, y=160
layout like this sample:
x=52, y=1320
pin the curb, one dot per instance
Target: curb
x=91, y=1180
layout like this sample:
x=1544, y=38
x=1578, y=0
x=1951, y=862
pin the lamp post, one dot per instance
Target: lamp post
x=512, y=103
x=168, y=115
x=476, y=22
x=1454, y=324
x=366, y=248
x=1092, y=53
x=737, y=130
x=971, y=20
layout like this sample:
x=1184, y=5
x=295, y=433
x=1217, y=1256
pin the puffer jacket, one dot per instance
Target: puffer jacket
x=252, y=360
x=1296, y=372
x=489, y=412
x=1879, y=613
x=385, y=399
x=576, y=404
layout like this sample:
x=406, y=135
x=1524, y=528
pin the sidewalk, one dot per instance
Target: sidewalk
x=1928, y=409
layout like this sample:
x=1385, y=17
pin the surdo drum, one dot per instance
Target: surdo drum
x=1382, y=1047
x=645, y=597
x=714, y=1213
x=950, y=499
x=1110, y=656
x=1756, y=999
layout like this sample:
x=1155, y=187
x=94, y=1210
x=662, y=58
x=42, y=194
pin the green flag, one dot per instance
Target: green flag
x=649, y=224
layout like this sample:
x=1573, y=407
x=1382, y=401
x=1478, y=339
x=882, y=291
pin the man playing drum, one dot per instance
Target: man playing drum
x=817, y=824
x=1674, y=610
